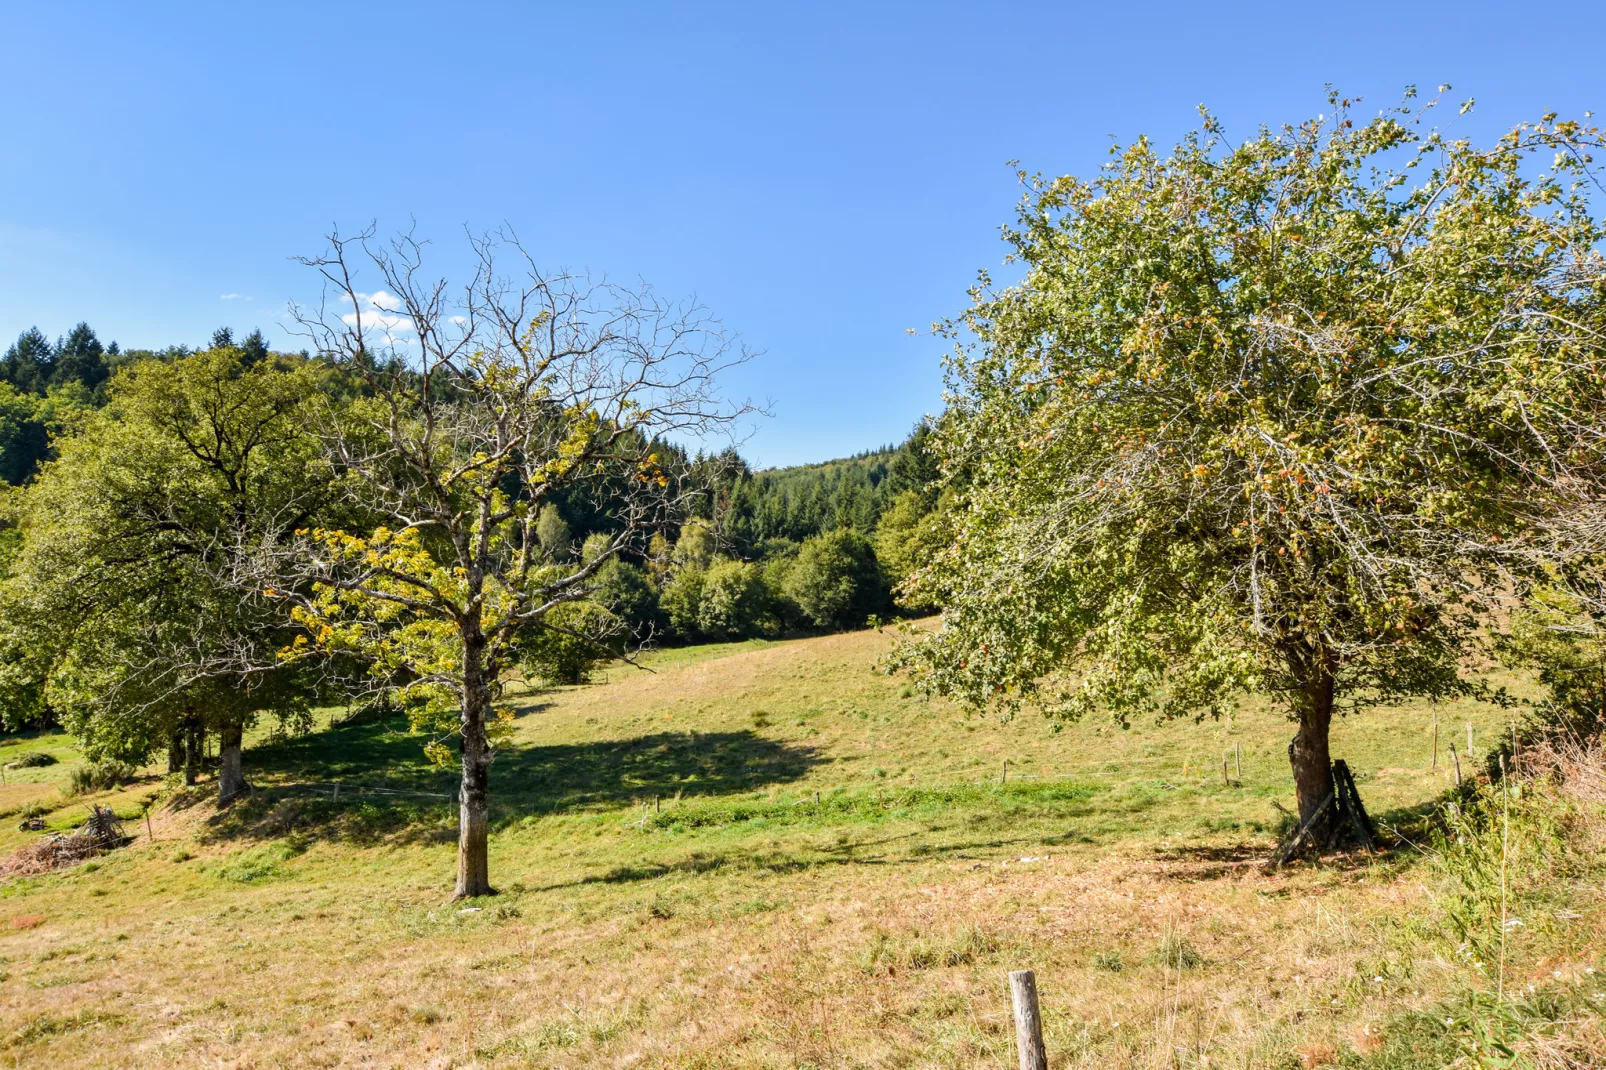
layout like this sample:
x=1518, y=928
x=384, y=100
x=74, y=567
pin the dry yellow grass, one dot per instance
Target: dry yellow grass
x=743, y=924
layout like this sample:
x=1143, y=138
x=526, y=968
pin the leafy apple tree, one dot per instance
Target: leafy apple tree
x=1285, y=416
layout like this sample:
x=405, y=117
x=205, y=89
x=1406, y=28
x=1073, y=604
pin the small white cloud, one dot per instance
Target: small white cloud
x=459, y=320
x=233, y=297
x=378, y=311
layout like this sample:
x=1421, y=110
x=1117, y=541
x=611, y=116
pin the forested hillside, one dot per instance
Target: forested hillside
x=730, y=577
x=42, y=384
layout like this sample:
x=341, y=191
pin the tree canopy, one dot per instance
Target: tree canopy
x=1270, y=416
x=120, y=607
x=482, y=410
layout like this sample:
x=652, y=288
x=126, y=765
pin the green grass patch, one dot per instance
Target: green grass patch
x=256, y=865
x=1477, y=1029
x=845, y=806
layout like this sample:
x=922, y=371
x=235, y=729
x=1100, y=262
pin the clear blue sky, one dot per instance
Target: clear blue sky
x=823, y=176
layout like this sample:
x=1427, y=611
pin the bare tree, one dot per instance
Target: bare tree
x=479, y=404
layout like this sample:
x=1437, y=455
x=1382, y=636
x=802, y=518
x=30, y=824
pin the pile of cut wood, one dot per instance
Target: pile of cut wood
x=102, y=832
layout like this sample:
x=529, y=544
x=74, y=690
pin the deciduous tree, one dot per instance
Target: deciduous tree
x=1269, y=416
x=482, y=404
x=120, y=597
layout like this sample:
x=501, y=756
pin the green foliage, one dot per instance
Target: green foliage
x=835, y=581
x=29, y=363
x=682, y=598
x=117, y=611
x=553, y=533
x=28, y=422
x=1558, y=637
x=748, y=509
x=1262, y=415
x=34, y=759
x=624, y=590
x=570, y=643
x=695, y=548
x=98, y=776
x=1502, y=849
x=733, y=601
x=596, y=547
x=910, y=534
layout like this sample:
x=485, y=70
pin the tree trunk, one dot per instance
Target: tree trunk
x=474, y=793
x=230, y=777
x=194, y=735
x=1308, y=754
x=175, y=751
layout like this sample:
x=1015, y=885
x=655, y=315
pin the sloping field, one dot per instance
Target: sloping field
x=759, y=855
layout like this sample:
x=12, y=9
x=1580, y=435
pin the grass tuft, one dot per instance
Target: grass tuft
x=50, y=1025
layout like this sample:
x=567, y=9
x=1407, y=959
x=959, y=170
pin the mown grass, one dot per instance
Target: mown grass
x=760, y=854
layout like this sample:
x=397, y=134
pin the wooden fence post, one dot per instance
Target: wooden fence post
x=1028, y=1021
x=1238, y=759
x=1225, y=782
x=1435, y=739
x=1457, y=760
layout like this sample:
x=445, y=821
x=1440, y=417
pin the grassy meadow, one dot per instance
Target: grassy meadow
x=762, y=855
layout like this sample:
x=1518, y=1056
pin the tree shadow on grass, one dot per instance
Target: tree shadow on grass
x=782, y=862
x=1401, y=832
x=389, y=791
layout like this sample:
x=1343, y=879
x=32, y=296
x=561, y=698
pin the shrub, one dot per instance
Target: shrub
x=624, y=590
x=1558, y=640
x=695, y=547
x=583, y=636
x=732, y=602
x=552, y=531
x=99, y=776
x=1531, y=826
x=786, y=614
x=32, y=760
x=836, y=581
x=909, y=535
x=681, y=600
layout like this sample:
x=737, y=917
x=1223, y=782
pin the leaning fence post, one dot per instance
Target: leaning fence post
x=1238, y=759
x=1028, y=1022
x=1457, y=760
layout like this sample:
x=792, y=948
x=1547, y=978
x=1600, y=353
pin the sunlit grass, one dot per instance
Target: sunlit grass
x=761, y=854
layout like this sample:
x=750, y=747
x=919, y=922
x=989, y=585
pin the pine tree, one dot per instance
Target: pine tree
x=80, y=358
x=29, y=362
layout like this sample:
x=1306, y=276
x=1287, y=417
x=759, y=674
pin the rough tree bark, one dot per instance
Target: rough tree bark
x=1308, y=751
x=175, y=751
x=231, y=777
x=474, y=792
